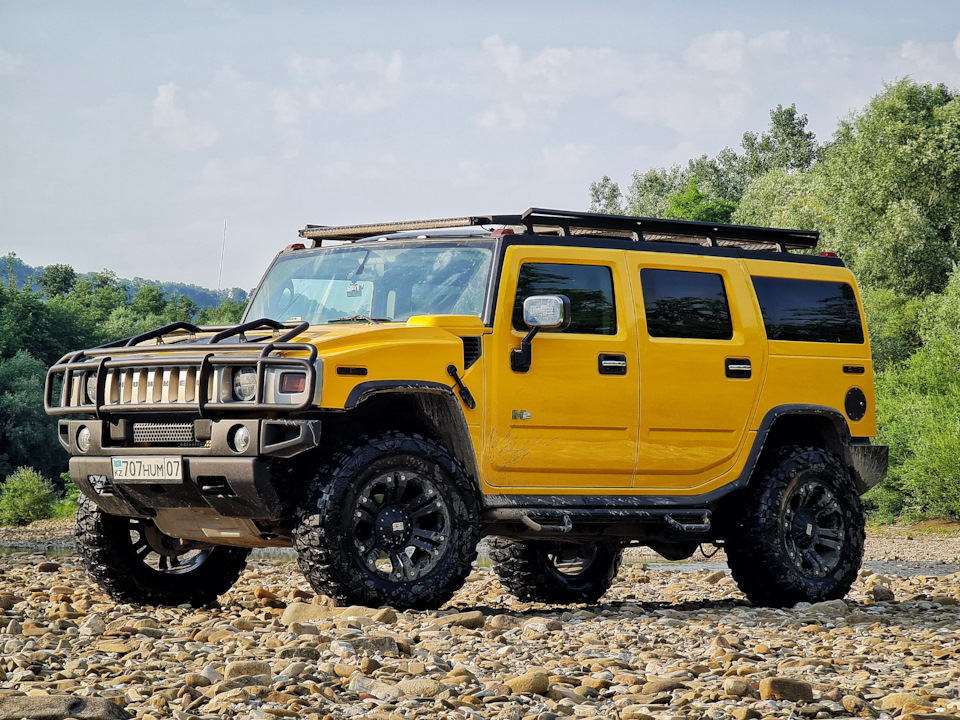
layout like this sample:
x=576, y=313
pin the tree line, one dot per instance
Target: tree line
x=54, y=311
x=884, y=193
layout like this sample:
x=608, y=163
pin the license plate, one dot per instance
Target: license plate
x=147, y=468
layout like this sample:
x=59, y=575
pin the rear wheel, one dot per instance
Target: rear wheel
x=555, y=572
x=800, y=535
x=395, y=522
x=136, y=563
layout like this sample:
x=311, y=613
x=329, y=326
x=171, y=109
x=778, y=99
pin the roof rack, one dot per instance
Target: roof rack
x=580, y=224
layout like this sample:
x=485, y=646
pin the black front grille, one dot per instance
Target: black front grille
x=178, y=434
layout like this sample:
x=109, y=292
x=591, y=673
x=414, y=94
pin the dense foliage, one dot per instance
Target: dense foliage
x=885, y=195
x=44, y=316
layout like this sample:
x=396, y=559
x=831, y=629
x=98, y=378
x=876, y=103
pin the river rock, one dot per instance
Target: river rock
x=782, y=688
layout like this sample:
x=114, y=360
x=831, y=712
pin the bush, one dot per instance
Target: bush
x=26, y=497
x=918, y=413
x=67, y=505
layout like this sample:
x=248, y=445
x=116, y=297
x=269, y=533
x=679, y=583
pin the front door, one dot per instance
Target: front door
x=570, y=421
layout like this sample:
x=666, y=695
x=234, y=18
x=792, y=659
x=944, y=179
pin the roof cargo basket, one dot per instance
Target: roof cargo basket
x=580, y=224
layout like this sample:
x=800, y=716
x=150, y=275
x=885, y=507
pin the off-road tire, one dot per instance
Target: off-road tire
x=533, y=570
x=120, y=554
x=800, y=533
x=393, y=520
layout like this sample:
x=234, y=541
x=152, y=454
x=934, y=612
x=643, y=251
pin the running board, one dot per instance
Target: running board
x=561, y=521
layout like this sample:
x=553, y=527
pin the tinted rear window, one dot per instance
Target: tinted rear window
x=683, y=304
x=809, y=310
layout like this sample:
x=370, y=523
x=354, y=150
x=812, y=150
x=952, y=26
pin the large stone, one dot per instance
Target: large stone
x=379, y=644
x=376, y=688
x=881, y=593
x=247, y=669
x=420, y=687
x=661, y=685
x=781, y=688
x=299, y=612
x=57, y=707
x=898, y=701
x=858, y=706
x=829, y=607
x=535, y=681
x=504, y=622
x=738, y=687
x=472, y=619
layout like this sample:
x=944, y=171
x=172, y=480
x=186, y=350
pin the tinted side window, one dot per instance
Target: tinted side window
x=682, y=304
x=809, y=310
x=589, y=288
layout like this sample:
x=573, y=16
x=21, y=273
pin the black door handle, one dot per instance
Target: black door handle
x=738, y=367
x=612, y=364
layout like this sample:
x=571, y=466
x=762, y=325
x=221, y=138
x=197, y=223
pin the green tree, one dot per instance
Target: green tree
x=605, y=197
x=57, y=280
x=148, y=299
x=649, y=193
x=27, y=435
x=228, y=312
x=918, y=411
x=787, y=145
x=180, y=308
x=692, y=204
x=891, y=188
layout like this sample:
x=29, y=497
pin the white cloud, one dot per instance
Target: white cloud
x=363, y=85
x=9, y=63
x=552, y=76
x=719, y=52
x=934, y=62
x=286, y=107
x=567, y=159
x=174, y=127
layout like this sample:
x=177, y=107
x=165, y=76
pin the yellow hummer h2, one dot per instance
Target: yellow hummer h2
x=567, y=383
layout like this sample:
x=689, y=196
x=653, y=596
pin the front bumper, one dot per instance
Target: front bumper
x=254, y=484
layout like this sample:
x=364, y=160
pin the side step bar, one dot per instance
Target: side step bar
x=561, y=521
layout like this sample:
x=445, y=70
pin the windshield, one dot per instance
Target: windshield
x=379, y=282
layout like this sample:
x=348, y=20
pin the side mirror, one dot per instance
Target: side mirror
x=547, y=312
x=540, y=312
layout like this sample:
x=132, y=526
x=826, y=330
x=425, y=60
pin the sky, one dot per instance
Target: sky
x=131, y=132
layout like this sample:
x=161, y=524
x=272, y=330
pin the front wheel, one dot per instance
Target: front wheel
x=555, y=572
x=136, y=563
x=800, y=533
x=394, y=522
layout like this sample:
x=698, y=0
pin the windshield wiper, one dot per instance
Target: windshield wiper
x=358, y=318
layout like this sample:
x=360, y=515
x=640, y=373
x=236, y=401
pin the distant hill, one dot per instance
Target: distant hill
x=203, y=297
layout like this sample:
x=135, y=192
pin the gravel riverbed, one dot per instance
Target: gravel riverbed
x=679, y=642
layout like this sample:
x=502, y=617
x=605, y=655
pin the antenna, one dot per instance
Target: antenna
x=220, y=275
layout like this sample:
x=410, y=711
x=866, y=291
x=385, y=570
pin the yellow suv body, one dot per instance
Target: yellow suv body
x=566, y=383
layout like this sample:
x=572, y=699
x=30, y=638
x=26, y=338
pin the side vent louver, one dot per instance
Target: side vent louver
x=472, y=350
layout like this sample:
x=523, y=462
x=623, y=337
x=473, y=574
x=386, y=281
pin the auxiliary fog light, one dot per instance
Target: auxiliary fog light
x=241, y=439
x=83, y=439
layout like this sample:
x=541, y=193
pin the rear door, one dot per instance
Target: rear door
x=702, y=364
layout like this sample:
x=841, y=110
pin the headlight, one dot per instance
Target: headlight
x=245, y=383
x=90, y=388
